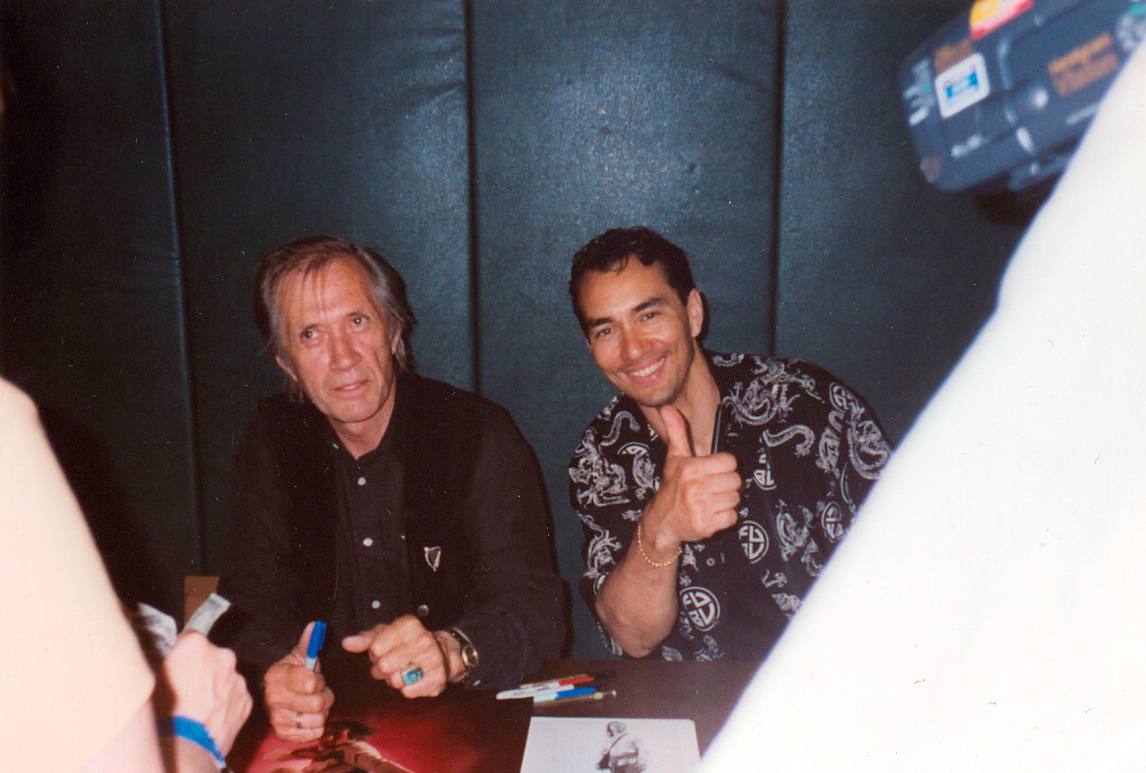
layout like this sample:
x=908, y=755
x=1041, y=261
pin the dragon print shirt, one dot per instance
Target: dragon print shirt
x=807, y=449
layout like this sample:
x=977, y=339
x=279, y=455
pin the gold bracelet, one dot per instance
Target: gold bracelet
x=649, y=561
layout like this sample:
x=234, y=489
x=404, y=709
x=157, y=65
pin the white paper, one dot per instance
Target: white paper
x=208, y=612
x=588, y=745
x=160, y=626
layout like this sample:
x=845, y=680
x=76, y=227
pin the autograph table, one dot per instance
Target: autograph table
x=470, y=730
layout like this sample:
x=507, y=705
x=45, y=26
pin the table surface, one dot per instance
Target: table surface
x=467, y=730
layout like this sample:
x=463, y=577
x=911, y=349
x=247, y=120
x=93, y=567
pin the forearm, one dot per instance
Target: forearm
x=637, y=603
x=515, y=628
x=514, y=607
x=185, y=756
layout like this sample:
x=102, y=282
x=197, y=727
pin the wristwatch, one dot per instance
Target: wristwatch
x=468, y=653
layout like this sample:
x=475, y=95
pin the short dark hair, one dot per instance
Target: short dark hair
x=611, y=251
x=309, y=255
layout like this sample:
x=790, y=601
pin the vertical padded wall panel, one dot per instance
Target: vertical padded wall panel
x=882, y=279
x=301, y=117
x=593, y=115
x=93, y=322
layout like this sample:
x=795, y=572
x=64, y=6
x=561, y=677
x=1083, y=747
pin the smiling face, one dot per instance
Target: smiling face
x=640, y=334
x=337, y=347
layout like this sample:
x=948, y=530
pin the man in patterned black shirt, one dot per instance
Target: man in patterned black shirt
x=714, y=487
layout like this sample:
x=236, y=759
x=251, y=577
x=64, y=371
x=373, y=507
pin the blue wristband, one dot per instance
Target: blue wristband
x=185, y=727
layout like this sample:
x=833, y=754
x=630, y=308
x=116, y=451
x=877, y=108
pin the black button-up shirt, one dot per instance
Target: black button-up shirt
x=371, y=557
x=449, y=523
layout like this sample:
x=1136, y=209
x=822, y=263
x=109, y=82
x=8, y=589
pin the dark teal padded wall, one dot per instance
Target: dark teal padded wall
x=589, y=116
x=301, y=117
x=882, y=279
x=158, y=147
x=91, y=278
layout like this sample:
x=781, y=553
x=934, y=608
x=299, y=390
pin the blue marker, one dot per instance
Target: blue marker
x=558, y=695
x=593, y=696
x=317, y=636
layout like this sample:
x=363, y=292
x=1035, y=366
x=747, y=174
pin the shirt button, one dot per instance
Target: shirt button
x=375, y=603
x=422, y=610
x=362, y=481
x=711, y=562
x=368, y=542
x=402, y=536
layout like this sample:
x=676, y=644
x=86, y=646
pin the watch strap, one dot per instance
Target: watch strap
x=469, y=653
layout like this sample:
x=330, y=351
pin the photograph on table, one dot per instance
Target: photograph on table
x=616, y=745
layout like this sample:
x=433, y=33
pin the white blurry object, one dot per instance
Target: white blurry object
x=986, y=612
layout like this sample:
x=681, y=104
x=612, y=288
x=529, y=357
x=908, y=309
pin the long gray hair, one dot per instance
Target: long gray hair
x=310, y=255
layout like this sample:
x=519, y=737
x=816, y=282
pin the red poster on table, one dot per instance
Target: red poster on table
x=455, y=732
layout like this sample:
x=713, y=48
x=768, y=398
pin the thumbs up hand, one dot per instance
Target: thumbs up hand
x=697, y=497
x=676, y=433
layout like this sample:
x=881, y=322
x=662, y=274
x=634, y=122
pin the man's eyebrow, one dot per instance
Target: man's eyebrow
x=645, y=305
x=648, y=304
x=597, y=322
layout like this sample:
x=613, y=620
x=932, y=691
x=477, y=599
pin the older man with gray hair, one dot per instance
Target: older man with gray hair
x=405, y=512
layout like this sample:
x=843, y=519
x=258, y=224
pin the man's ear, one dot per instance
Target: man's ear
x=695, y=308
x=286, y=367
